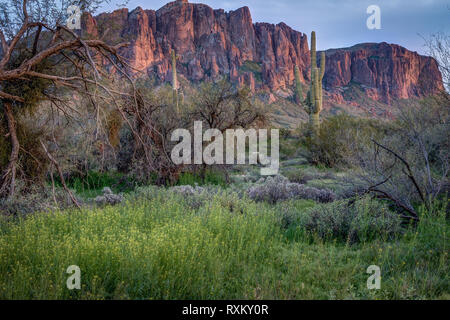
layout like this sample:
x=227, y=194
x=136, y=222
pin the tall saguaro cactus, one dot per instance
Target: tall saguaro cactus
x=314, y=99
x=175, y=80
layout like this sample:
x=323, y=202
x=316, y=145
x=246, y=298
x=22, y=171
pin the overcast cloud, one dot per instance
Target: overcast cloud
x=341, y=23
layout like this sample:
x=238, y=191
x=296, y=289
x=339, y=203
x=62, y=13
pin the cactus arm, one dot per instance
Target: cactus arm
x=313, y=53
x=298, y=87
x=175, y=80
x=322, y=73
x=317, y=91
x=322, y=66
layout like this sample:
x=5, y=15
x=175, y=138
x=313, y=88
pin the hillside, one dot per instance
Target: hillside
x=211, y=43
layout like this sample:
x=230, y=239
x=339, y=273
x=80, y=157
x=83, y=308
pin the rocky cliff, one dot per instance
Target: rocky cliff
x=210, y=43
x=384, y=71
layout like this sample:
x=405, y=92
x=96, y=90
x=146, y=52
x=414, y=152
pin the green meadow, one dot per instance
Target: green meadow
x=161, y=245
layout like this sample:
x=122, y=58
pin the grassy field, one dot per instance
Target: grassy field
x=159, y=245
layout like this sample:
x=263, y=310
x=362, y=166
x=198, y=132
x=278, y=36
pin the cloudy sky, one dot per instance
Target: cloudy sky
x=341, y=23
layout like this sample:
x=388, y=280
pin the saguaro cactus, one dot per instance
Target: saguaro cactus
x=175, y=80
x=298, y=87
x=314, y=99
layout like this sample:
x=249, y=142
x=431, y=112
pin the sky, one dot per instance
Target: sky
x=340, y=23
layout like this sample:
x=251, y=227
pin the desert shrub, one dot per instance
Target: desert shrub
x=359, y=220
x=193, y=197
x=340, y=186
x=108, y=198
x=339, y=137
x=306, y=173
x=38, y=198
x=32, y=159
x=285, y=133
x=279, y=188
x=197, y=197
x=409, y=166
x=287, y=212
x=297, y=176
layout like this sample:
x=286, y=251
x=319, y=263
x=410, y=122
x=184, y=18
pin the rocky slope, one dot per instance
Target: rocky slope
x=384, y=71
x=210, y=43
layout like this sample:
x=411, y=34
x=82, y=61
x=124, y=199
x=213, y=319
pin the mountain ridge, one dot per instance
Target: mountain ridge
x=212, y=43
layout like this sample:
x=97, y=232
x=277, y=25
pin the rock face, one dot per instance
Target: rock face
x=210, y=43
x=384, y=71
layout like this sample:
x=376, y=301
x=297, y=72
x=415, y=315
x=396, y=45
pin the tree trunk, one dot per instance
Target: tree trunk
x=9, y=175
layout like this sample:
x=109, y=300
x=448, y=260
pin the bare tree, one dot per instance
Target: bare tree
x=439, y=48
x=41, y=53
x=152, y=117
x=410, y=165
x=221, y=106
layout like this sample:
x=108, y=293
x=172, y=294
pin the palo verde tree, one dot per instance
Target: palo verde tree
x=40, y=56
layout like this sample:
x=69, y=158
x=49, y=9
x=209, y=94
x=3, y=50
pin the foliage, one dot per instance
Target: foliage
x=108, y=198
x=340, y=137
x=35, y=198
x=410, y=165
x=219, y=105
x=359, y=220
x=211, y=252
x=211, y=177
x=50, y=12
x=33, y=162
x=92, y=183
x=278, y=188
x=439, y=48
x=41, y=56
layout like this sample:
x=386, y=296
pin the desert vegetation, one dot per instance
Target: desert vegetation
x=87, y=180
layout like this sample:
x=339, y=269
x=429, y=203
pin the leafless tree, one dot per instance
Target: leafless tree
x=221, y=106
x=152, y=117
x=36, y=47
x=438, y=46
x=409, y=166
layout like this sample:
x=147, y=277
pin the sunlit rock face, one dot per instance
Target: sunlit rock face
x=384, y=71
x=211, y=43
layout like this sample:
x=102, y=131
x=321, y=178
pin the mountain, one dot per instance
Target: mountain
x=210, y=43
x=386, y=72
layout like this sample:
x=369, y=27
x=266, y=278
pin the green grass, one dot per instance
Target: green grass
x=212, y=177
x=92, y=184
x=157, y=247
